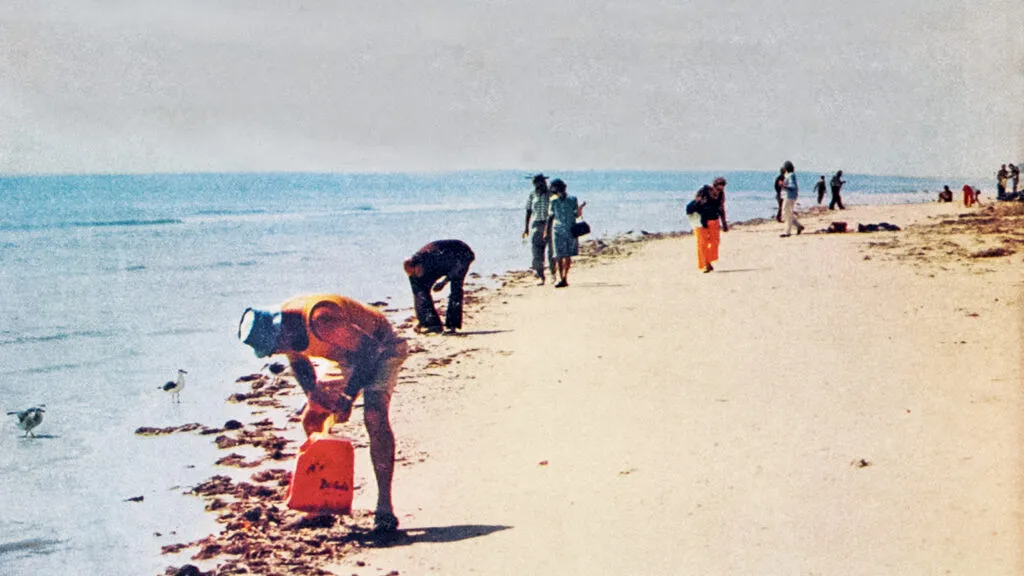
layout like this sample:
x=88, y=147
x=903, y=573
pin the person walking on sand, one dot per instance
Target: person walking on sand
x=789, y=185
x=778, y=194
x=819, y=189
x=1014, y=176
x=355, y=349
x=710, y=204
x=565, y=210
x=837, y=185
x=447, y=259
x=538, y=227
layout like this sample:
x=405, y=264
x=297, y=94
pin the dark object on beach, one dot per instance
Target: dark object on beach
x=580, y=228
x=320, y=521
x=232, y=425
x=861, y=463
x=881, y=226
x=992, y=253
x=836, y=227
x=186, y=570
x=135, y=499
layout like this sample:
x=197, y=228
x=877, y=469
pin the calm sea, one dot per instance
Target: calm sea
x=112, y=283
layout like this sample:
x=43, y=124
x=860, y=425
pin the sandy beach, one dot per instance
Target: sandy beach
x=820, y=404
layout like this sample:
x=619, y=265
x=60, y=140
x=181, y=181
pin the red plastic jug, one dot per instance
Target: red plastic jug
x=322, y=482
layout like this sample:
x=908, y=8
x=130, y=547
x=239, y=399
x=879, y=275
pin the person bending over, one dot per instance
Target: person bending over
x=447, y=259
x=338, y=348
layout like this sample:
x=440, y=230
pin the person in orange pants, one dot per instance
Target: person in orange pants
x=710, y=204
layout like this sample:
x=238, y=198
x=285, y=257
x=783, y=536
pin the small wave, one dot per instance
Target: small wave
x=181, y=332
x=111, y=223
x=229, y=264
x=59, y=337
x=29, y=546
x=229, y=212
x=50, y=369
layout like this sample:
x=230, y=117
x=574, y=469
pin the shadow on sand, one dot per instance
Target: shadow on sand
x=476, y=333
x=437, y=534
x=597, y=285
x=734, y=270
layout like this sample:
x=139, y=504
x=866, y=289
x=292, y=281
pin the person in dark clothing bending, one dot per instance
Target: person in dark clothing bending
x=447, y=259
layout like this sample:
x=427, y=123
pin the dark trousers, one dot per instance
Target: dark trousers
x=836, y=201
x=426, y=313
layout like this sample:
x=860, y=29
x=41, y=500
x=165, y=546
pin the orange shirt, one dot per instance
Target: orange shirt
x=336, y=324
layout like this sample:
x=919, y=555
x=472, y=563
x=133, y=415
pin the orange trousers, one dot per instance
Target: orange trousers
x=707, y=244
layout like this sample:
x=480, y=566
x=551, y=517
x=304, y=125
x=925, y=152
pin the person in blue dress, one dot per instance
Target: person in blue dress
x=565, y=210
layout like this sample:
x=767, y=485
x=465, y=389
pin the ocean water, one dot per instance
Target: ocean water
x=111, y=283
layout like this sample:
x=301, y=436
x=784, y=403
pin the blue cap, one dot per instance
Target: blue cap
x=261, y=330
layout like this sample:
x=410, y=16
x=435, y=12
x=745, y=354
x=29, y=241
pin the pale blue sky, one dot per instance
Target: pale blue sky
x=927, y=87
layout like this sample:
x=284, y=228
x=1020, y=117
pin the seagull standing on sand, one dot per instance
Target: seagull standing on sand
x=175, y=387
x=29, y=419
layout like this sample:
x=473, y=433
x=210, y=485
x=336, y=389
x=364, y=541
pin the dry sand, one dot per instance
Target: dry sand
x=822, y=404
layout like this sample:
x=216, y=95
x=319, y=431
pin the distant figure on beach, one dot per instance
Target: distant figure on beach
x=447, y=259
x=837, y=185
x=355, y=349
x=565, y=210
x=819, y=188
x=789, y=184
x=1015, y=176
x=946, y=195
x=1001, y=177
x=969, y=196
x=710, y=204
x=537, y=226
x=778, y=194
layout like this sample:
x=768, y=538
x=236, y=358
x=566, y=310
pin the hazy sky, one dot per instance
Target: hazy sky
x=924, y=87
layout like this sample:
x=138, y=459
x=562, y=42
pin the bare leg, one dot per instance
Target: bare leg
x=382, y=453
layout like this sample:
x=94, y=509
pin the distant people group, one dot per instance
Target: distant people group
x=835, y=184
x=1007, y=188
x=550, y=225
x=1008, y=174
x=339, y=348
x=782, y=193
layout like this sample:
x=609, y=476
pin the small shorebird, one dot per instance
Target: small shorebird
x=29, y=419
x=176, y=386
x=276, y=368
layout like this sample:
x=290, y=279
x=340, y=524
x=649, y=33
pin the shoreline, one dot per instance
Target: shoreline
x=440, y=383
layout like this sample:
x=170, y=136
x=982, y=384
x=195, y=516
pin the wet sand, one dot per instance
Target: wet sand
x=819, y=404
